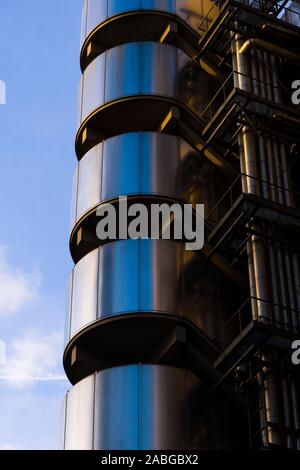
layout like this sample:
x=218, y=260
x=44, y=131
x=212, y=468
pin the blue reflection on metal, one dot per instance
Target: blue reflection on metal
x=160, y=164
x=119, y=6
x=121, y=166
x=122, y=71
x=84, y=300
x=147, y=276
x=83, y=23
x=163, y=5
x=133, y=163
x=147, y=408
x=97, y=13
x=99, y=10
x=130, y=69
x=159, y=69
x=117, y=409
x=93, y=85
x=119, y=277
x=89, y=180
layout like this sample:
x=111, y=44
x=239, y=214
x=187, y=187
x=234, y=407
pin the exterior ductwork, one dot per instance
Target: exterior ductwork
x=181, y=101
x=265, y=46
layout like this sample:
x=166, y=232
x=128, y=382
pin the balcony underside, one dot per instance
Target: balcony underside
x=139, y=338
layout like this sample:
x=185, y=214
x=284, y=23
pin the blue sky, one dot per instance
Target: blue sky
x=39, y=62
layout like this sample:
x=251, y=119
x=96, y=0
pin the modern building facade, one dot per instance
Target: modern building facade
x=187, y=101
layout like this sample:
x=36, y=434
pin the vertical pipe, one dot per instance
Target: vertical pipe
x=234, y=60
x=259, y=261
x=252, y=285
x=282, y=279
x=263, y=167
x=285, y=175
x=262, y=409
x=261, y=139
x=270, y=387
x=247, y=132
x=272, y=175
x=286, y=412
x=275, y=84
x=250, y=160
x=254, y=72
x=290, y=284
x=251, y=169
x=239, y=82
x=261, y=74
x=242, y=164
x=242, y=66
x=275, y=284
x=268, y=76
x=269, y=143
x=296, y=408
x=282, y=157
x=296, y=276
x=278, y=172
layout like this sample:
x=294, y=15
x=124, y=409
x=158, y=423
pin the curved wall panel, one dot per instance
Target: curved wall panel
x=142, y=163
x=79, y=418
x=84, y=291
x=74, y=198
x=98, y=11
x=145, y=68
x=150, y=407
x=89, y=174
x=136, y=276
x=68, y=308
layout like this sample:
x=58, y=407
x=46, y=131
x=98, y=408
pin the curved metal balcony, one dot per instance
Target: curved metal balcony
x=139, y=165
x=128, y=296
x=133, y=86
x=109, y=23
x=131, y=276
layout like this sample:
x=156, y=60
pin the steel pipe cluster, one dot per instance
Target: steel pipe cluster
x=273, y=267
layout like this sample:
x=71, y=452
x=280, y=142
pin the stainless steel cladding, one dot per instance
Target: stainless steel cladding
x=145, y=276
x=142, y=163
x=96, y=12
x=144, y=68
x=142, y=314
x=159, y=407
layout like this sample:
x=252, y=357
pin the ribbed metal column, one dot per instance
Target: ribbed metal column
x=136, y=306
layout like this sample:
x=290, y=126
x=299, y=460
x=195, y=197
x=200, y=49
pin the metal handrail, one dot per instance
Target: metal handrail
x=228, y=322
x=253, y=83
x=223, y=197
x=216, y=3
x=243, y=177
x=222, y=87
x=243, y=317
x=285, y=12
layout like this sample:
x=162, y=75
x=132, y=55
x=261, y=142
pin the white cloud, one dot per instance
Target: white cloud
x=17, y=287
x=33, y=357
